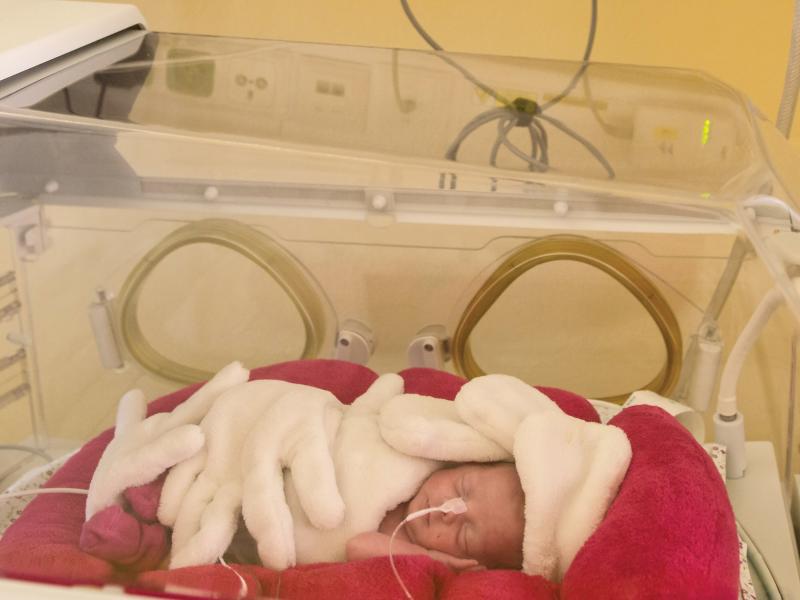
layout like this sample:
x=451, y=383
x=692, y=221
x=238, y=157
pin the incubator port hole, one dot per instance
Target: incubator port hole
x=569, y=325
x=186, y=318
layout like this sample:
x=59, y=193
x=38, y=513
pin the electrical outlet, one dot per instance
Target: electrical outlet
x=190, y=73
x=331, y=94
x=251, y=83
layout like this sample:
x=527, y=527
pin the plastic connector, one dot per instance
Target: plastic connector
x=526, y=109
x=455, y=505
x=729, y=431
x=430, y=348
x=354, y=342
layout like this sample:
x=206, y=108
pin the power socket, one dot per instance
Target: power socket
x=191, y=74
x=251, y=83
x=331, y=94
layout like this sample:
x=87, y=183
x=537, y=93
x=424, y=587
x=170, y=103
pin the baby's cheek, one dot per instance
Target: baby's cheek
x=436, y=540
x=432, y=541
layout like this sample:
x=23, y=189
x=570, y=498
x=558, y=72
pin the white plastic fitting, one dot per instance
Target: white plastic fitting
x=429, y=348
x=354, y=342
x=704, y=378
x=101, y=320
x=730, y=433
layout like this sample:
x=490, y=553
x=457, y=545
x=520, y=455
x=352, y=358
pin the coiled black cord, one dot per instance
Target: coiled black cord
x=521, y=112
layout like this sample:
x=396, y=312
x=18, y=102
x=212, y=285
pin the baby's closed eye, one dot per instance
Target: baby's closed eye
x=463, y=538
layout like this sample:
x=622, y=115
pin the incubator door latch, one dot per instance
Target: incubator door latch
x=101, y=318
x=27, y=228
x=430, y=348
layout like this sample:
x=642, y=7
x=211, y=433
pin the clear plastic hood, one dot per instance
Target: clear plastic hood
x=164, y=107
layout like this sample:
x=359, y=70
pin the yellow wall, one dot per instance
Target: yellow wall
x=742, y=42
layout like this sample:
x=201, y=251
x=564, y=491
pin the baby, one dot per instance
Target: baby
x=381, y=449
x=487, y=535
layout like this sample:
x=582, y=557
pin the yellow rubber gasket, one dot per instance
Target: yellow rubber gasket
x=590, y=252
x=305, y=294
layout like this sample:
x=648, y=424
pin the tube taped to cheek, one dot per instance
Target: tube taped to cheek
x=454, y=505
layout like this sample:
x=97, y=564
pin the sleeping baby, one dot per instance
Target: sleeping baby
x=487, y=535
x=313, y=480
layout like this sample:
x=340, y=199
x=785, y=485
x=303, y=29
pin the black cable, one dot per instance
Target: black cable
x=594, y=151
x=522, y=112
x=421, y=30
x=612, y=130
x=584, y=61
x=68, y=101
x=405, y=106
x=100, y=100
x=433, y=44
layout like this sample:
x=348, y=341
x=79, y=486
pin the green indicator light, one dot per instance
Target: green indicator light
x=705, y=195
x=706, y=132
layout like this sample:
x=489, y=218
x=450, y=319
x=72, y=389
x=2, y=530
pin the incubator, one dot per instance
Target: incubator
x=171, y=203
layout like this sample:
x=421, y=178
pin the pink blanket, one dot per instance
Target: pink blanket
x=669, y=534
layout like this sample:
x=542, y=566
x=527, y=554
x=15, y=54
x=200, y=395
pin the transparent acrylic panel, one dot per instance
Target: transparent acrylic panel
x=204, y=304
x=381, y=114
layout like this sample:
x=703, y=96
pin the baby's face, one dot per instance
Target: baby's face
x=491, y=529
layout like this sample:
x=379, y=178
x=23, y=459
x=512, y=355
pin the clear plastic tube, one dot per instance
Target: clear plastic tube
x=242, y=583
x=9, y=495
x=454, y=505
